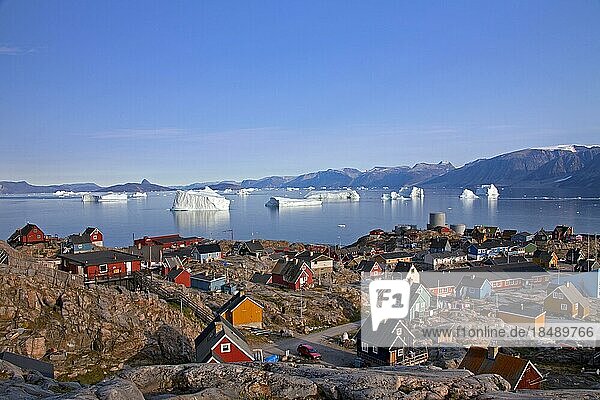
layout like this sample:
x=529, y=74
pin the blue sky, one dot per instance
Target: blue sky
x=179, y=92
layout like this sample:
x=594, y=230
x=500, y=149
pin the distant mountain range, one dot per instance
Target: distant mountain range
x=565, y=167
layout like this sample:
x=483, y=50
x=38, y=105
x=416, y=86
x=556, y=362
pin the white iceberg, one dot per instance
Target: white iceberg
x=139, y=195
x=113, y=197
x=245, y=192
x=468, y=194
x=412, y=192
x=490, y=191
x=385, y=197
x=89, y=198
x=287, y=202
x=65, y=193
x=332, y=195
x=199, y=200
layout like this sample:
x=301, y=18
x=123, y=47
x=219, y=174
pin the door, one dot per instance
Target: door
x=128, y=265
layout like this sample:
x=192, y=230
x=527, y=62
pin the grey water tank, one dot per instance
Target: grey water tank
x=459, y=228
x=436, y=219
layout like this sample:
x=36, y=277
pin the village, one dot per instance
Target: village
x=272, y=301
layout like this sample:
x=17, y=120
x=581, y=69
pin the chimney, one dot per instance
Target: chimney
x=492, y=352
x=521, y=306
x=568, y=284
x=241, y=293
x=218, y=326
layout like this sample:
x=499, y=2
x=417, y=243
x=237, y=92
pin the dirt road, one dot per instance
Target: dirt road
x=332, y=353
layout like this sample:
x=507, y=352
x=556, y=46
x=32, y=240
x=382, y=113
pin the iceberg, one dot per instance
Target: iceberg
x=89, y=198
x=111, y=197
x=245, y=192
x=199, y=200
x=332, y=195
x=490, y=191
x=385, y=197
x=468, y=194
x=139, y=195
x=281, y=202
x=414, y=192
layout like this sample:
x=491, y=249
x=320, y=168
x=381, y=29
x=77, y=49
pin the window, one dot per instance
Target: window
x=225, y=347
x=364, y=347
x=563, y=307
x=374, y=349
x=557, y=295
x=39, y=236
x=103, y=268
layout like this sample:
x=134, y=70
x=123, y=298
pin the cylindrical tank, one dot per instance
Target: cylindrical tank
x=459, y=228
x=437, y=219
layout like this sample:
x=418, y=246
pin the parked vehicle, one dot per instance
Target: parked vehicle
x=308, y=351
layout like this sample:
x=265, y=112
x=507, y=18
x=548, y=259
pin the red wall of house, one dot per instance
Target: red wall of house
x=529, y=376
x=235, y=355
x=32, y=236
x=184, y=279
x=99, y=237
x=114, y=269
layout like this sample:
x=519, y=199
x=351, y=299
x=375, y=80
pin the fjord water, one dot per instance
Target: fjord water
x=248, y=216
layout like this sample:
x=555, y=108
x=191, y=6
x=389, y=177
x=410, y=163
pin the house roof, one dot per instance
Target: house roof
x=260, y=278
x=531, y=310
x=174, y=273
x=210, y=336
x=438, y=243
x=448, y=254
x=235, y=301
x=509, y=367
x=572, y=294
x=473, y=282
x=387, y=329
x=394, y=255
x=100, y=257
x=173, y=262
x=366, y=265
x=290, y=270
x=208, y=248
x=79, y=239
x=492, y=244
x=89, y=230
x=206, y=278
x=254, y=246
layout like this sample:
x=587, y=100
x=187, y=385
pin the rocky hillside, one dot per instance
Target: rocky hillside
x=560, y=167
x=88, y=332
x=272, y=381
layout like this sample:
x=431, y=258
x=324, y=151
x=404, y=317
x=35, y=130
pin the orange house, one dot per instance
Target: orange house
x=242, y=311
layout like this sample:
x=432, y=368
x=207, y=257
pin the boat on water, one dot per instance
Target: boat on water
x=246, y=191
x=333, y=195
x=139, y=195
x=285, y=202
x=490, y=191
x=113, y=197
x=200, y=200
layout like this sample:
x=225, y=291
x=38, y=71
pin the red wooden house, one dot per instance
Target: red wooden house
x=103, y=264
x=520, y=373
x=95, y=235
x=180, y=276
x=370, y=269
x=292, y=274
x=29, y=234
x=220, y=342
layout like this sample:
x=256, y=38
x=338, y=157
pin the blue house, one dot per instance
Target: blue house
x=207, y=283
x=78, y=244
x=489, y=248
x=474, y=288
